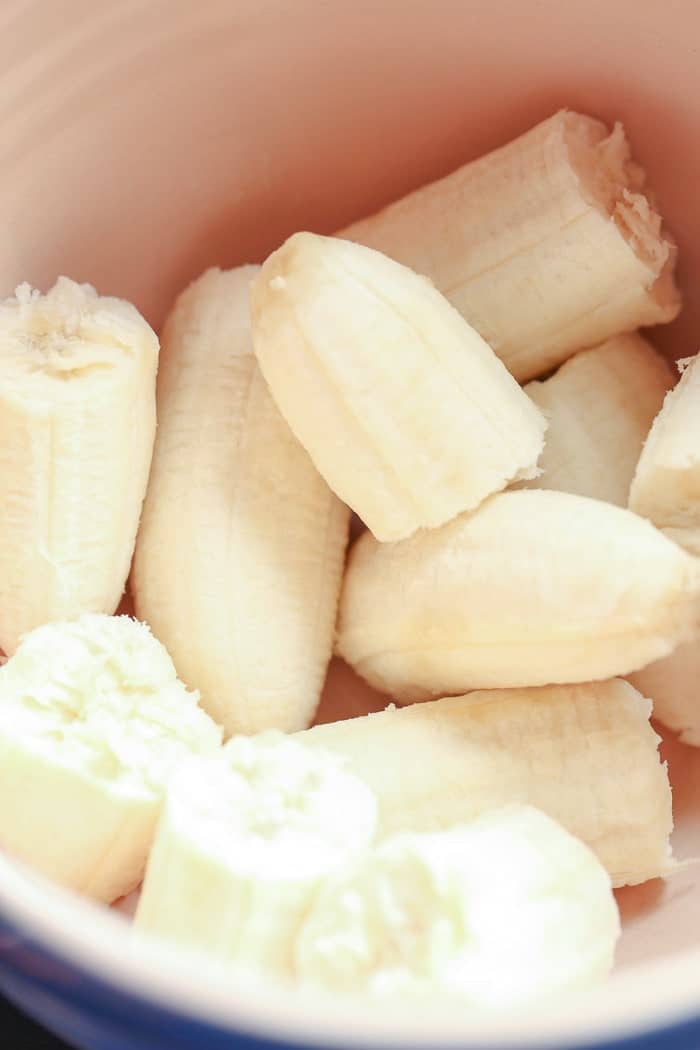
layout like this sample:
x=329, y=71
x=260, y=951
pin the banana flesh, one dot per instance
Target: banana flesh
x=402, y=406
x=546, y=246
x=382, y=397
x=599, y=406
x=92, y=723
x=498, y=913
x=244, y=843
x=240, y=552
x=585, y=755
x=666, y=485
x=672, y=685
x=77, y=424
x=535, y=587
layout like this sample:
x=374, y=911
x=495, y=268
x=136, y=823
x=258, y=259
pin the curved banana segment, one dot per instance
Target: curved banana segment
x=92, y=723
x=585, y=755
x=534, y=587
x=404, y=409
x=546, y=246
x=672, y=686
x=498, y=913
x=240, y=552
x=666, y=485
x=77, y=425
x=245, y=840
x=599, y=408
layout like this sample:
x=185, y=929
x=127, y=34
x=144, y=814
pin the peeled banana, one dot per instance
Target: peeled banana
x=498, y=913
x=546, y=246
x=585, y=755
x=666, y=485
x=599, y=407
x=245, y=840
x=403, y=408
x=240, y=552
x=532, y=588
x=77, y=424
x=93, y=721
x=673, y=685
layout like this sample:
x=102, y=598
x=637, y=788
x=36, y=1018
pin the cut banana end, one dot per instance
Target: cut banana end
x=666, y=486
x=599, y=406
x=532, y=588
x=77, y=424
x=403, y=408
x=498, y=913
x=585, y=755
x=92, y=723
x=546, y=245
x=240, y=553
x=672, y=686
x=244, y=842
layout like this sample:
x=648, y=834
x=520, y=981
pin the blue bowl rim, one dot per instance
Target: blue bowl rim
x=117, y=970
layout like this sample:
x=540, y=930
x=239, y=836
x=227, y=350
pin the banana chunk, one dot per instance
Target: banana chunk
x=499, y=913
x=534, y=587
x=92, y=723
x=585, y=755
x=672, y=686
x=240, y=553
x=243, y=844
x=546, y=246
x=666, y=485
x=404, y=409
x=599, y=407
x=77, y=424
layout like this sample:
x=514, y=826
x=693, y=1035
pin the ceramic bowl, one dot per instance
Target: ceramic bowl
x=145, y=140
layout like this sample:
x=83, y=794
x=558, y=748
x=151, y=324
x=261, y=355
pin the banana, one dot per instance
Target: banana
x=666, y=485
x=672, y=685
x=498, y=913
x=92, y=723
x=403, y=408
x=240, y=553
x=533, y=588
x=546, y=246
x=243, y=844
x=599, y=406
x=585, y=755
x=77, y=424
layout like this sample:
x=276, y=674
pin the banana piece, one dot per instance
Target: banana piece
x=403, y=408
x=599, y=406
x=499, y=913
x=585, y=755
x=77, y=424
x=546, y=245
x=533, y=588
x=92, y=723
x=245, y=840
x=240, y=552
x=666, y=485
x=672, y=685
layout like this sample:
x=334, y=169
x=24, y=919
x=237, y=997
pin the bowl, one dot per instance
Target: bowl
x=145, y=140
